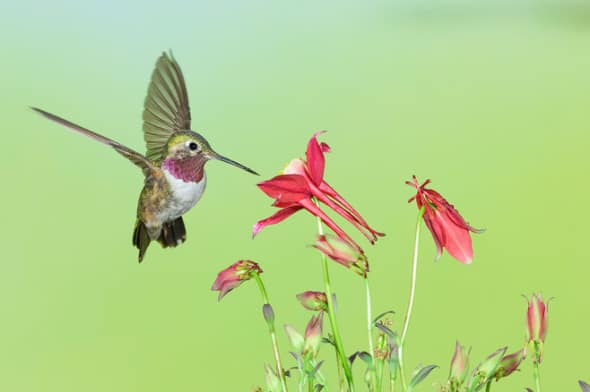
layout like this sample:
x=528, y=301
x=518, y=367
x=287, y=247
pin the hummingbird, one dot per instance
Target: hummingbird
x=174, y=164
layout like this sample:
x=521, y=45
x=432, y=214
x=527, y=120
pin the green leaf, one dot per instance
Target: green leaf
x=420, y=375
x=366, y=358
x=381, y=316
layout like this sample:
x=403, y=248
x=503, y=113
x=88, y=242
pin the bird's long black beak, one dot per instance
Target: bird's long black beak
x=232, y=162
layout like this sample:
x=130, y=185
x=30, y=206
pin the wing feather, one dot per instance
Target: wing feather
x=136, y=158
x=166, y=107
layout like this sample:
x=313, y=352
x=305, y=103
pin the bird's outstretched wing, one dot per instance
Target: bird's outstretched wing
x=166, y=108
x=135, y=157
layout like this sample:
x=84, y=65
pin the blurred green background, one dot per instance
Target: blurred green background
x=489, y=100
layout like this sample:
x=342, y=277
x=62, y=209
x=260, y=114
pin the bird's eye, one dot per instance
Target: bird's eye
x=193, y=146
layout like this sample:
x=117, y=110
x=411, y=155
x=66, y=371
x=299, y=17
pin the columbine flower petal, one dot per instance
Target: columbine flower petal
x=277, y=217
x=286, y=189
x=316, y=161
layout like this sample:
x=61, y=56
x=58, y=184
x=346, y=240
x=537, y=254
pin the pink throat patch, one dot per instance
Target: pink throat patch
x=187, y=170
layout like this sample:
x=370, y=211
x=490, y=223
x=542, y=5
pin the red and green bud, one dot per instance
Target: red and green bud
x=343, y=252
x=510, y=363
x=313, y=335
x=486, y=370
x=235, y=275
x=313, y=300
x=459, y=365
x=536, y=318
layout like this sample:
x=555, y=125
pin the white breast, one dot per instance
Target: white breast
x=185, y=195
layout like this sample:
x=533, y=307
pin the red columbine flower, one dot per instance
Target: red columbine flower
x=448, y=228
x=313, y=300
x=303, y=181
x=536, y=317
x=234, y=275
x=343, y=253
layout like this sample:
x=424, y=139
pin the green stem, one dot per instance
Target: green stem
x=380, y=361
x=273, y=335
x=537, y=376
x=411, y=300
x=489, y=386
x=369, y=331
x=332, y=317
x=334, y=325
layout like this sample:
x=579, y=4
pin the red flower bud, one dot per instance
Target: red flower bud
x=510, y=363
x=313, y=300
x=343, y=253
x=234, y=275
x=459, y=365
x=536, y=318
x=313, y=335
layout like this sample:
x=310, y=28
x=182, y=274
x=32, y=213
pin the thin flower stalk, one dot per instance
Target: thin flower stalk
x=370, y=332
x=411, y=300
x=537, y=376
x=332, y=316
x=269, y=317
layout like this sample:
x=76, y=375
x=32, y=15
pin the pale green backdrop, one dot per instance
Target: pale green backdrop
x=490, y=100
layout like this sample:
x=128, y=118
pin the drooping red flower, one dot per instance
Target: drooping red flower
x=448, y=228
x=343, y=253
x=301, y=183
x=235, y=275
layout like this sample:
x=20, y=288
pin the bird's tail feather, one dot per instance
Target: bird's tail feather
x=173, y=233
x=141, y=239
